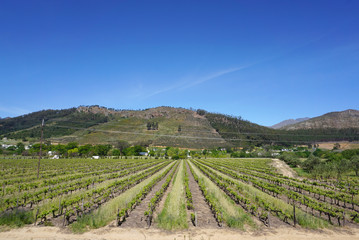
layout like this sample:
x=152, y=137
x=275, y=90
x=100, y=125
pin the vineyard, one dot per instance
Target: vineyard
x=84, y=194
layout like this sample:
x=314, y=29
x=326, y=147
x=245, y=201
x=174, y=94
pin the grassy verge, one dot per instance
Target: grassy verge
x=233, y=215
x=17, y=218
x=174, y=214
x=107, y=212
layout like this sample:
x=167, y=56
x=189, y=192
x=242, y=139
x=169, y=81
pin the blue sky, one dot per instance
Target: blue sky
x=266, y=61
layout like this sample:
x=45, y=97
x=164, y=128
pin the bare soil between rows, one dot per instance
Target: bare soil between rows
x=205, y=218
x=137, y=218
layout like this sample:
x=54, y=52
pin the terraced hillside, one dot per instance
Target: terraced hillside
x=161, y=126
x=175, y=127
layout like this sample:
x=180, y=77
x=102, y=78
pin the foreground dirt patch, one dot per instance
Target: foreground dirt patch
x=111, y=233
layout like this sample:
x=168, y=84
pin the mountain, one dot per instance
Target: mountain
x=335, y=120
x=163, y=126
x=288, y=122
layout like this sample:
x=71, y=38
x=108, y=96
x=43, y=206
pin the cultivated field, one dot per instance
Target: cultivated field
x=165, y=199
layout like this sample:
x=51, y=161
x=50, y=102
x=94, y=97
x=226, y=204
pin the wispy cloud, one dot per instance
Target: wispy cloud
x=212, y=76
x=193, y=81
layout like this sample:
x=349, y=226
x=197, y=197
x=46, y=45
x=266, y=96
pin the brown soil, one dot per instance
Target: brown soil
x=205, y=218
x=344, y=145
x=137, y=218
x=284, y=169
x=111, y=233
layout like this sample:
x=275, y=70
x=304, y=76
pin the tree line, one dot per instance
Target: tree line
x=325, y=164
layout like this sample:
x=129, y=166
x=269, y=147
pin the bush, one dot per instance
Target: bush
x=311, y=163
x=290, y=159
x=16, y=218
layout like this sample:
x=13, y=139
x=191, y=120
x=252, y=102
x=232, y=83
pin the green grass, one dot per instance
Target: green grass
x=174, y=214
x=301, y=173
x=233, y=215
x=17, y=218
x=107, y=212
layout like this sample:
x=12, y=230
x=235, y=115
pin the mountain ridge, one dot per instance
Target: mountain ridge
x=160, y=126
x=288, y=122
x=338, y=120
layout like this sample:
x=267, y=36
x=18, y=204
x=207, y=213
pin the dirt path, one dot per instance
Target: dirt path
x=136, y=218
x=205, y=218
x=108, y=233
x=283, y=168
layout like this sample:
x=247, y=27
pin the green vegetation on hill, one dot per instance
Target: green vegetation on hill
x=58, y=123
x=242, y=133
x=9, y=125
x=162, y=126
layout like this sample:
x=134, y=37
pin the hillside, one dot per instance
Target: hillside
x=336, y=120
x=28, y=126
x=162, y=126
x=288, y=122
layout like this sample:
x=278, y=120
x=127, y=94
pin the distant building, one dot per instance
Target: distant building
x=7, y=145
x=143, y=153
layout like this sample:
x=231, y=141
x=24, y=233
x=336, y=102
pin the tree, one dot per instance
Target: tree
x=85, y=150
x=354, y=161
x=201, y=112
x=72, y=145
x=102, y=150
x=311, y=162
x=348, y=154
x=134, y=151
x=342, y=166
x=116, y=152
x=171, y=152
x=319, y=152
x=61, y=149
x=35, y=148
x=122, y=145
x=336, y=146
x=74, y=152
x=290, y=158
x=138, y=149
x=20, y=148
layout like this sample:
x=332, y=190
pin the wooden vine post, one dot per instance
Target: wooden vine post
x=195, y=217
x=63, y=224
x=294, y=218
x=37, y=213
